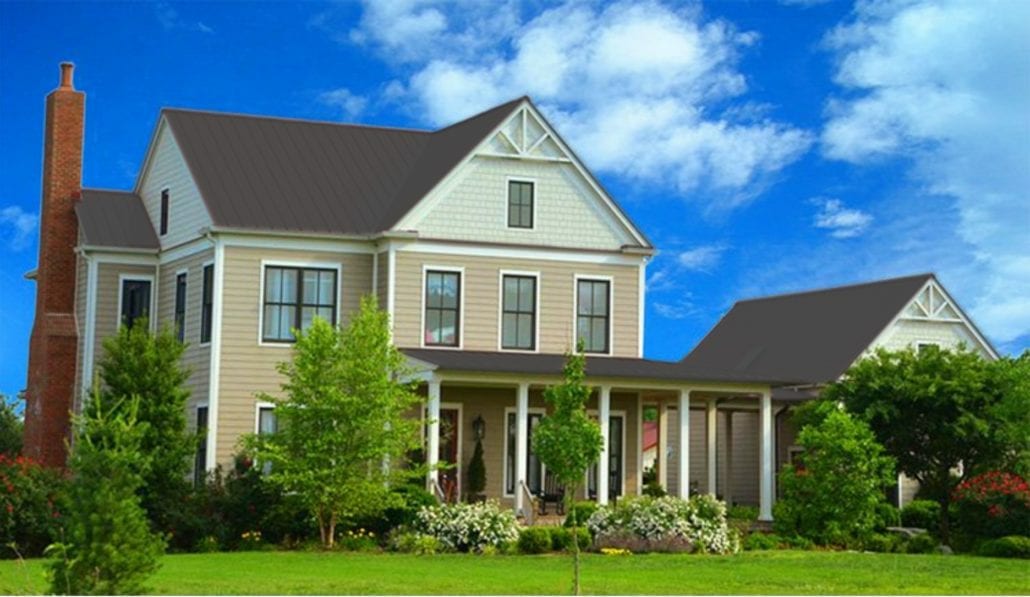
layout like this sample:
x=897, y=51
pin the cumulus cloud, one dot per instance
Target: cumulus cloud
x=348, y=103
x=18, y=226
x=700, y=259
x=170, y=19
x=637, y=87
x=944, y=85
x=842, y=222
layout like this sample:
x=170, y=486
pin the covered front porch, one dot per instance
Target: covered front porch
x=726, y=446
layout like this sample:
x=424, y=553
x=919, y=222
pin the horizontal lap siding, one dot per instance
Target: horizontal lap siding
x=196, y=357
x=481, y=289
x=187, y=213
x=248, y=368
x=108, y=310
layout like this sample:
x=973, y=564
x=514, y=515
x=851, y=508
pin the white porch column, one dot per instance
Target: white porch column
x=604, y=410
x=521, y=442
x=662, y=455
x=684, y=447
x=765, y=493
x=433, y=447
x=727, y=483
x=710, y=425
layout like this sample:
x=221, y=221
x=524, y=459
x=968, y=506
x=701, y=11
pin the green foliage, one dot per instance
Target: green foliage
x=654, y=489
x=343, y=415
x=921, y=514
x=884, y=543
x=561, y=538
x=922, y=543
x=359, y=539
x=10, y=428
x=476, y=475
x=742, y=513
x=887, y=515
x=664, y=524
x=936, y=409
x=1012, y=546
x=30, y=506
x=469, y=527
x=137, y=362
x=761, y=542
x=107, y=547
x=579, y=513
x=832, y=496
x=533, y=540
x=416, y=543
x=992, y=505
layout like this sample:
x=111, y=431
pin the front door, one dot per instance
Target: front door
x=450, y=425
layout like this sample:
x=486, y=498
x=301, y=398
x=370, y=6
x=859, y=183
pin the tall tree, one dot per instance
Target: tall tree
x=342, y=415
x=567, y=441
x=932, y=411
x=10, y=428
x=137, y=362
x=1011, y=415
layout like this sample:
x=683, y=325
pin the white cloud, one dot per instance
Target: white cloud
x=349, y=104
x=944, y=85
x=19, y=226
x=700, y=259
x=638, y=88
x=839, y=220
x=681, y=308
x=169, y=19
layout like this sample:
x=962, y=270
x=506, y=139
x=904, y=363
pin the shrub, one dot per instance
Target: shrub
x=992, y=504
x=654, y=489
x=251, y=541
x=884, y=543
x=411, y=499
x=748, y=513
x=561, y=538
x=922, y=543
x=208, y=544
x=761, y=542
x=468, y=527
x=887, y=515
x=832, y=495
x=580, y=513
x=30, y=510
x=665, y=523
x=534, y=540
x=921, y=514
x=357, y=540
x=415, y=543
x=476, y=474
x=1013, y=546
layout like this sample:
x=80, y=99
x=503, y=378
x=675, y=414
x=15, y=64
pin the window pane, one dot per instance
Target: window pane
x=307, y=314
x=583, y=331
x=448, y=327
x=511, y=292
x=287, y=316
x=600, y=298
x=585, y=298
x=326, y=313
x=433, y=327
x=527, y=292
x=598, y=333
x=450, y=291
x=310, y=295
x=271, y=330
x=289, y=286
x=434, y=289
x=267, y=421
x=508, y=325
x=525, y=331
x=327, y=289
x=273, y=285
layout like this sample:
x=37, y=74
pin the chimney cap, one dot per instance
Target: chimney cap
x=67, y=69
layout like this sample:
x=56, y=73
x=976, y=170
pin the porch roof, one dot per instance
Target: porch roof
x=470, y=361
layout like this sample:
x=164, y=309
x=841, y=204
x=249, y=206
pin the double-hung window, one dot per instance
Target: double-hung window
x=593, y=315
x=135, y=300
x=518, y=312
x=207, y=303
x=520, y=204
x=164, y=212
x=294, y=296
x=200, y=458
x=180, y=306
x=443, y=308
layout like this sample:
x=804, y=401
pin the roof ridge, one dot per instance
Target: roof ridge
x=925, y=275
x=483, y=112
x=296, y=120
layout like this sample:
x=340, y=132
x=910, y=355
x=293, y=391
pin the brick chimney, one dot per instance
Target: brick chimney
x=53, y=347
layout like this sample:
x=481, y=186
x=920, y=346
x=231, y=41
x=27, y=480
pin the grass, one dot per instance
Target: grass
x=777, y=572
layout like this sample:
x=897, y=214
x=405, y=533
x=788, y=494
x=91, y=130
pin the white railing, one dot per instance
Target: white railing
x=528, y=504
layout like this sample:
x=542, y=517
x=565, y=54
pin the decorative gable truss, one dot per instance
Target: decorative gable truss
x=931, y=304
x=525, y=136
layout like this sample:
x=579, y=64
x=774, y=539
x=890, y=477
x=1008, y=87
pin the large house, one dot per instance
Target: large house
x=490, y=245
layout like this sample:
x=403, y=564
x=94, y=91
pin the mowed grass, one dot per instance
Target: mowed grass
x=781, y=572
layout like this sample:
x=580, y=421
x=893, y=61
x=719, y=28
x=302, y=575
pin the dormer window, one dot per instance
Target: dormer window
x=164, y=212
x=520, y=204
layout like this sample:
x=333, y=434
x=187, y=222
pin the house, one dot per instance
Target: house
x=815, y=337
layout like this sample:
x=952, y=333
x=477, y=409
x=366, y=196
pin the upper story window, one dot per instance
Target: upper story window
x=180, y=306
x=520, y=204
x=294, y=296
x=443, y=308
x=207, y=304
x=135, y=300
x=200, y=458
x=164, y=212
x=593, y=315
x=518, y=312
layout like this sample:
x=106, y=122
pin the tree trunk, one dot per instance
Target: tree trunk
x=945, y=520
x=332, y=530
x=570, y=503
x=321, y=528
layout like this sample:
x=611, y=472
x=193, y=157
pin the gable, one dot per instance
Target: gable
x=163, y=169
x=471, y=204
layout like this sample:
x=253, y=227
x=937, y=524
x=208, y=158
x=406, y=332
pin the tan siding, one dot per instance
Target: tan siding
x=481, y=290
x=382, y=278
x=247, y=367
x=167, y=169
x=196, y=357
x=108, y=309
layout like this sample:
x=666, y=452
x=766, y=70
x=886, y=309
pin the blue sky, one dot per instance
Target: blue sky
x=763, y=146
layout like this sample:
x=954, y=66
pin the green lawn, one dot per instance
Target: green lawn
x=793, y=572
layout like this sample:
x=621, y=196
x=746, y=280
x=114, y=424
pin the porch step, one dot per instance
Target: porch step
x=548, y=520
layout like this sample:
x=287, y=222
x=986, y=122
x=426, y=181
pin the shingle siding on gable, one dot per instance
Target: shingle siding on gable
x=908, y=333
x=167, y=169
x=476, y=208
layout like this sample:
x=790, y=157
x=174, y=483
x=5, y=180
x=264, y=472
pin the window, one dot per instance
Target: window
x=200, y=459
x=180, y=306
x=923, y=346
x=442, y=316
x=293, y=298
x=520, y=204
x=615, y=458
x=534, y=468
x=164, y=212
x=593, y=311
x=518, y=312
x=267, y=424
x=135, y=300
x=207, y=304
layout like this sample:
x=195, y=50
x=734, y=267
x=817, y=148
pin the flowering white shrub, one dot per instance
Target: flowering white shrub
x=468, y=527
x=697, y=524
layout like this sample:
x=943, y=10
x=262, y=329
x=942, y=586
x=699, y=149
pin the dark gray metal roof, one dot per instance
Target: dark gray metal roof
x=114, y=219
x=469, y=361
x=810, y=336
x=266, y=173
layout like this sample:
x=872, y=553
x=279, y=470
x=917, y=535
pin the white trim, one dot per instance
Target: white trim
x=117, y=258
x=91, y=325
x=375, y=275
x=460, y=320
x=270, y=241
x=257, y=413
x=151, y=313
x=528, y=158
x=532, y=410
x=766, y=464
x=520, y=252
x=683, y=454
x=391, y=286
x=216, y=352
x=641, y=309
x=500, y=310
x=183, y=250
x=622, y=479
x=322, y=265
x=576, y=277
x=458, y=406
x=200, y=331
x=640, y=444
x=507, y=202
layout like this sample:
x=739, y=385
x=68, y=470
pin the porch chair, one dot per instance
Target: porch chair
x=552, y=493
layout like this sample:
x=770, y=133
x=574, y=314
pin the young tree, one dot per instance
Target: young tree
x=567, y=441
x=476, y=475
x=10, y=428
x=343, y=415
x=932, y=411
x=107, y=548
x=139, y=363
